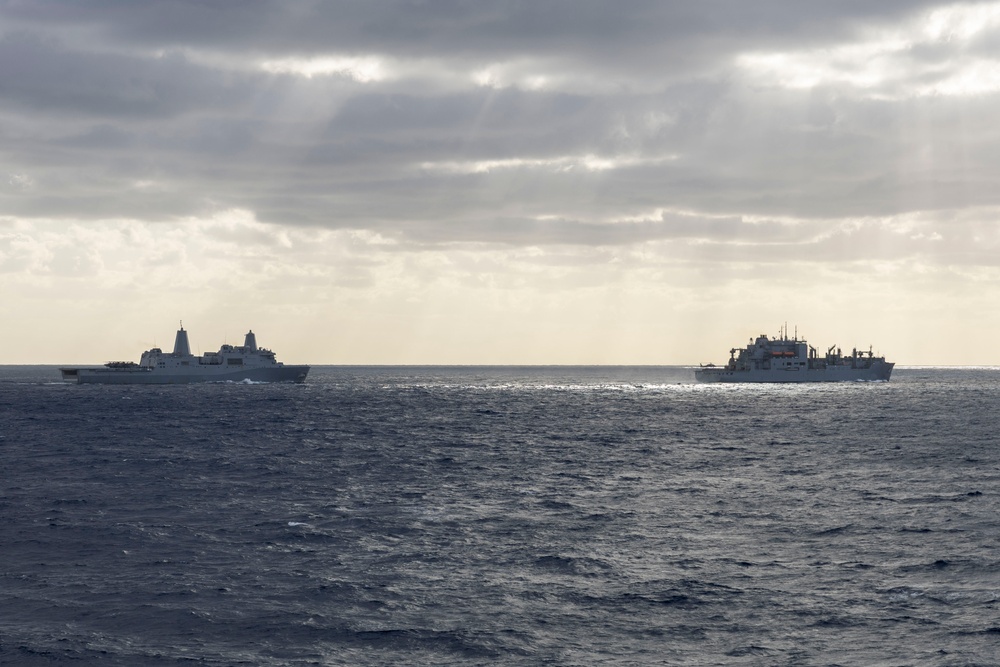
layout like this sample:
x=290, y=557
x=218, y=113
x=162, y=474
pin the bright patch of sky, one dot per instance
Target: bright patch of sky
x=556, y=164
x=887, y=63
x=361, y=69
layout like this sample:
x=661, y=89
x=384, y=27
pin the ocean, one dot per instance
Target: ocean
x=501, y=516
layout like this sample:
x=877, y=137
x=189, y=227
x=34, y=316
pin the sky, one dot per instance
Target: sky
x=503, y=182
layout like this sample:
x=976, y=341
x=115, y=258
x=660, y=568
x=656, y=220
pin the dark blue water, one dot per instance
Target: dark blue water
x=474, y=516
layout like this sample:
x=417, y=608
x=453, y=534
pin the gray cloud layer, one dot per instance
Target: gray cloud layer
x=458, y=27
x=585, y=117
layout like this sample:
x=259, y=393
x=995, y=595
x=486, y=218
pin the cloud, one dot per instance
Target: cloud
x=360, y=69
x=944, y=51
x=406, y=152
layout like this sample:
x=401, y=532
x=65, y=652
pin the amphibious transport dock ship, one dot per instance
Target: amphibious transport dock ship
x=230, y=363
x=785, y=359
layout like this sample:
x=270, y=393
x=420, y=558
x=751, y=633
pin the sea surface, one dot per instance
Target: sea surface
x=501, y=515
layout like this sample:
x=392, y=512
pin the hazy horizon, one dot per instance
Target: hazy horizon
x=550, y=183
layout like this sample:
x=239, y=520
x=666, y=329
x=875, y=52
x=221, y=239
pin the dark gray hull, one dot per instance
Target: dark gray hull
x=196, y=374
x=878, y=371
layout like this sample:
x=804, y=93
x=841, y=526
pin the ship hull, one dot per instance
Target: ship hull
x=878, y=371
x=197, y=374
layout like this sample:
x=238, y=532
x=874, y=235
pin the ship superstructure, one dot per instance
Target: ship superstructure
x=785, y=359
x=230, y=363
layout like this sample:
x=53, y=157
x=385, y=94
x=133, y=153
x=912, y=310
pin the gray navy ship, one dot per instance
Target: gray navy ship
x=230, y=364
x=785, y=359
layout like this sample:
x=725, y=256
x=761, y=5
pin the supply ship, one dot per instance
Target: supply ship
x=230, y=364
x=785, y=359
